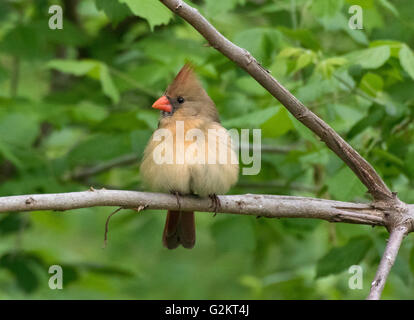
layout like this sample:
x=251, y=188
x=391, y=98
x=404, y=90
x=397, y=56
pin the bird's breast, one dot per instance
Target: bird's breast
x=190, y=156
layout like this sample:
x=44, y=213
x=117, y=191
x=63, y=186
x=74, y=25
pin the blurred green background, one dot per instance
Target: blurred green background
x=75, y=112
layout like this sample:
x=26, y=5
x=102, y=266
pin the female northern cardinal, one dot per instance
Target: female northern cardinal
x=186, y=105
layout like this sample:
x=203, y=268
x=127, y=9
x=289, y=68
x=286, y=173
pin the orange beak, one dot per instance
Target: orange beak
x=163, y=104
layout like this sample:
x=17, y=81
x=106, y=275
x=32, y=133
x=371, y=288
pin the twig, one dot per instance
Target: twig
x=387, y=261
x=365, y=172
x=107, y=226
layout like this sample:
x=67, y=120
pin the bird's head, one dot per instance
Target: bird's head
x=185, y=97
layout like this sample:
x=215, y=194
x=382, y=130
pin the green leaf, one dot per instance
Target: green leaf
x=122, y=121
x=114, y=10
x=407, y=60
x=224, y=229
x=11, y=223
x=322, y=8
x=375, y=115
x=389, y=6
x=22, y=267
x=341, y=258
x=371, y=83
x=151, y=10
x=9, y=155
x=250, y=86
x=108, y=86
x=99, y=148
x=59, y=142
x=75, y=67
x=251, y=120
x=290, y=52
x=303, y=131
x=17, y=41
x=277, y=125
x=327, y=67
x=92, y=68
x=305, y=59
x=371, y=58
x=409, y=162
x=253, y=40
x=88, y=113
x=345, y=185
x=402, y=269
x=306, y=38
x=19, y=129
x=215, y=8
x=365, y=4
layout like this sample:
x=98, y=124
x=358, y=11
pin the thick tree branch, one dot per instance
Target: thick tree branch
x=387, y=261
x=365, y=172
x=270, y=206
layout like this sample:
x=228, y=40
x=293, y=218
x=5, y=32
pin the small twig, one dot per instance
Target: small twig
x=138, y=209
x=107, y=226
x=387, y=261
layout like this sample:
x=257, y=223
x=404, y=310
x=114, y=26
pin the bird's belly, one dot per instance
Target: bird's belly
x=213, y=178
x=194, y=173
x=166, y=177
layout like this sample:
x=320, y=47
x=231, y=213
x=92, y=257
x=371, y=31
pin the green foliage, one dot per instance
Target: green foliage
x=80, y=97
x=407, y=60
x=341, y=258
x=94, y=69
x=153, y=11
x=115, y=10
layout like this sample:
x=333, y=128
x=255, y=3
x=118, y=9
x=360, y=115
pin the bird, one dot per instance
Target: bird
x=186, y=103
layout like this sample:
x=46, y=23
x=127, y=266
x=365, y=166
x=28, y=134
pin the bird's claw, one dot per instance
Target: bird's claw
x=177, y=196
x=215, y=203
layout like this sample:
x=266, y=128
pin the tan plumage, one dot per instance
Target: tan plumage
x=196, y=112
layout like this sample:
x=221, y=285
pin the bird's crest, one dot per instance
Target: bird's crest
x=185, y=81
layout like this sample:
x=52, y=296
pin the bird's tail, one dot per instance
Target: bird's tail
x=179, y=229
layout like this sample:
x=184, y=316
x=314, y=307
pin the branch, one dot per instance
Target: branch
x=365, y=172
x=270, y=206
x=387, y=261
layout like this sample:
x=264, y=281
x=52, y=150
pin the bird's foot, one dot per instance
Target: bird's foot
x=177, y=196
x=215, y=203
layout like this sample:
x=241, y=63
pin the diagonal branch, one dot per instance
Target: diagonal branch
x=387, y=261
x=365, y=172
x=270, y=206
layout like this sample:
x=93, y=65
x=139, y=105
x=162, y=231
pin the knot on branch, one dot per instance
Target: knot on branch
x=396, y=213
x=29, y=201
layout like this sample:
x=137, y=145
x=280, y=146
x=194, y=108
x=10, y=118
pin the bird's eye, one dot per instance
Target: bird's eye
x=180, y=99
